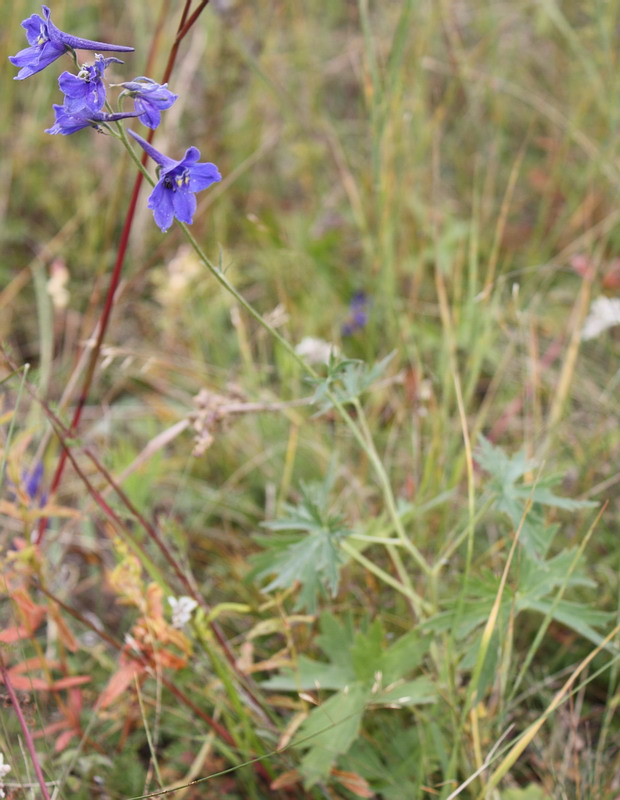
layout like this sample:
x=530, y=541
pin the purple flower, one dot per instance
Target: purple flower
x=86, y=89
x=47, y=43
x=32, y=479
x=173, y=195
x=358, y=316
x=149, y=99
x=71, y=121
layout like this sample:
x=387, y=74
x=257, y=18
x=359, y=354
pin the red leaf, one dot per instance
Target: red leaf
x=69, y=683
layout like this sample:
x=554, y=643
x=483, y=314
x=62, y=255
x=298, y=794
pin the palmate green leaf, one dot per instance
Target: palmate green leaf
x=310, y=555
x=505, y=471
x=540, y=578
x=361, y=654
x=512, y=496
x=353, y=656
x=330, y=730
x=367, y=673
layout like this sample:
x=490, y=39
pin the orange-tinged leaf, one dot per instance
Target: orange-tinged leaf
x=286, y=780
x=291, y=729
x=70, y=683
x=14, y=634
x=353, y=782
x=121, y=679
x=25, y=683
x=52, y=728
x=31, y=613
x=64, y=739
x=37, y=662
x=154, y=601
x=167, y=659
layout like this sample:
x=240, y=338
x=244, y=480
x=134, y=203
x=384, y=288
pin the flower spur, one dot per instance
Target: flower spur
x=47, y=43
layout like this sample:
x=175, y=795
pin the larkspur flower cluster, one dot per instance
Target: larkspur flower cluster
x=86, y=105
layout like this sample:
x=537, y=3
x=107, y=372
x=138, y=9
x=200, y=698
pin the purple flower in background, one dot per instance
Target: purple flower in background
x=47, y=43
x=71, y=121
x=32, y=483
x=149, y=99
x=173, y=195
x=358, y=316
x=32, y=478
x=86, y=89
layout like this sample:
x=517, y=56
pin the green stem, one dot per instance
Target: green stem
x=390, y=500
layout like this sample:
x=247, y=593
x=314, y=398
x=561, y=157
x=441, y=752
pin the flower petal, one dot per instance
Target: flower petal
x=149, y=115
x=192, y=154
x=33, y=26
x=160, y=202
x=34, y=59
x=66, y=122
x=184, y=203
x=203, y=175
x=72, y=86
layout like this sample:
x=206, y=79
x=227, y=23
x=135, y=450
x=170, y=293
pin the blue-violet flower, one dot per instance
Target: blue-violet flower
x=47, y=43
x=71, y=121
x=86, y=89
x=32, y=479
x=149, y=99
x=359, y=314
x=173, y=195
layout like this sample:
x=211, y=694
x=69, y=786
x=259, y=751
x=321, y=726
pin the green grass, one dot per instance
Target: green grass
x=436, y=602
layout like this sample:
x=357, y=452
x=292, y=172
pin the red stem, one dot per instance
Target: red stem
x=182, y=31
x=23, y=725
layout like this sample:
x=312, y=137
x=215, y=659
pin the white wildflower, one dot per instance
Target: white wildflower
x=182, y=608
x=604, y=314
x=4, y=769
x=317, y=351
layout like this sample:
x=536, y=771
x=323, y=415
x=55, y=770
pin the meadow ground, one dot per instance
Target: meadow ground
x=340, y=515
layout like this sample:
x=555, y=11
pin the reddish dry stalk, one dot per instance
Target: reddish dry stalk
x=23, y=725
x=182, y=31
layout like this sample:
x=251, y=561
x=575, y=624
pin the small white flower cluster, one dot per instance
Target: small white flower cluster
x=604, y=314
x=182, y=608
x=4, y=769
